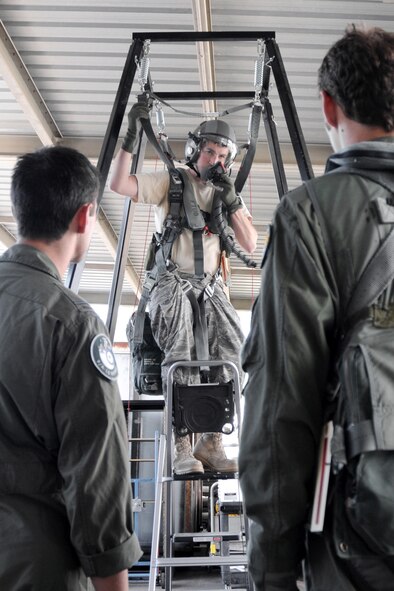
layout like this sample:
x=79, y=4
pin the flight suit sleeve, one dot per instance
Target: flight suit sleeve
x=286, y=356
x=93, y=455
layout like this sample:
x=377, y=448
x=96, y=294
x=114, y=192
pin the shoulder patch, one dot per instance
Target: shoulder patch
x=102, y=356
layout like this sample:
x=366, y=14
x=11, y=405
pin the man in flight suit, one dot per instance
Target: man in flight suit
x=65, y=497
x=308, y=278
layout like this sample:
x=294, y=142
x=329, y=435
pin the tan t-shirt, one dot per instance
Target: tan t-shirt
x=153, y=188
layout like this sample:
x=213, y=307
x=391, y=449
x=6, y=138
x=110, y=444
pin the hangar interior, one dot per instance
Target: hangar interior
x=60, y=70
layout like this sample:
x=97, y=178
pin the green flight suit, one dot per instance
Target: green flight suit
x=289, y=352
x=65, y=495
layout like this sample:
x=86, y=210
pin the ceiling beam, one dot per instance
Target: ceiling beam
x=206, y=64
x=16, y=145
x=26, y=93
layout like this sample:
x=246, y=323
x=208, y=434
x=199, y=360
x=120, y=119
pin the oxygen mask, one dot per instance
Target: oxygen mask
x=212, y=174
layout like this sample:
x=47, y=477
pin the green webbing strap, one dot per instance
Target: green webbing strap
x=200, y=329
x=139, y=318
x=195, y=219
x=198, y=253
x=147, y=127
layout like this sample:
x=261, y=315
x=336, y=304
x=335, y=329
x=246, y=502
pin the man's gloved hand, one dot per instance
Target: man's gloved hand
x=138, y=111
x=231, y=200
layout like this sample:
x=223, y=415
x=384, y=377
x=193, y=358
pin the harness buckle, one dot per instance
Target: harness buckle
x=210, y=288
x=149, y=282
x=170, y=265
x=186, y=285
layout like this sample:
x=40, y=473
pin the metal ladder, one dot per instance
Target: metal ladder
x=140, y=503
x=164, y=480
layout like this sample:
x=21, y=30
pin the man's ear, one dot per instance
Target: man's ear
x=329, y=109
x=81, y=218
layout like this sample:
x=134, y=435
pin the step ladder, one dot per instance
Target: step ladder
x=164, y=481
x=143, y=486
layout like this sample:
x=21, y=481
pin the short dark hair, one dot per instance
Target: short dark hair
x=47, y=189
x=358, y=73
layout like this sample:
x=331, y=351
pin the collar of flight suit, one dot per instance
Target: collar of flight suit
x=373, y=155
x=29, y=256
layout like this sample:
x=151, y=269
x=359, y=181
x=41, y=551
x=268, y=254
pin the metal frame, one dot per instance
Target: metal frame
x=107, y=152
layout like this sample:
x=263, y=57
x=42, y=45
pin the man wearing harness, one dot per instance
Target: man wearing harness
x=308, y=278
x=196, y=258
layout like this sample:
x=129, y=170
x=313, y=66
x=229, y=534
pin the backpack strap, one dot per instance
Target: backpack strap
x=380, y=269
x=377, y=276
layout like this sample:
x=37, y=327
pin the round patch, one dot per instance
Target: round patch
x=103, y=357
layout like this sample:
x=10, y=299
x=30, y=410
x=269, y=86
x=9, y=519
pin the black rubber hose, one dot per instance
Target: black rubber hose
x=224, y=233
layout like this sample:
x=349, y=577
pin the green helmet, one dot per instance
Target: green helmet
x=217, y=131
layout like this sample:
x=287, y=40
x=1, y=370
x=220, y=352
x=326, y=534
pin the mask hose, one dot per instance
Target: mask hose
x=225, y=235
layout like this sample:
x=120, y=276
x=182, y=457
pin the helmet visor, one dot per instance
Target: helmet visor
x=222, y=141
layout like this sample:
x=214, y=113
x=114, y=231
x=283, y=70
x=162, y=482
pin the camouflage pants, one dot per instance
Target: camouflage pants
x=172, y=325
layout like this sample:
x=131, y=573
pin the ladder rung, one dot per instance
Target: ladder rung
x=207, y=536
x=207, y=476
x=235, y=560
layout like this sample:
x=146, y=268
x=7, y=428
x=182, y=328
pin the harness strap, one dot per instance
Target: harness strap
x=200, y=328
x=194, y=216
x=248, y=158
x=139, y=319
x=198, y=253
x=150, y=134
x=172, y=228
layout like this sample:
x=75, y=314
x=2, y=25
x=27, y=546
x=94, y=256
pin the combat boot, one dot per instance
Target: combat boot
x=184, y=461
x=210, y=451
